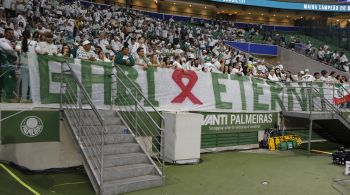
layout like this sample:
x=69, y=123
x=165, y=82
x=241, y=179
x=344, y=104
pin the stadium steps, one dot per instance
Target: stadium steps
x=325, y=134
x=335, y=131
x=132, y=184
x=334, y=128
x=126, y=166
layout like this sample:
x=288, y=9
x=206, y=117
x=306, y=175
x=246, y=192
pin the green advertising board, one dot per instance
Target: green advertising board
x=214, y=123
x=29, y=126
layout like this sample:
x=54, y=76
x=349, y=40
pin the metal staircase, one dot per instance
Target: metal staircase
x=115, y=161
x=323, y=112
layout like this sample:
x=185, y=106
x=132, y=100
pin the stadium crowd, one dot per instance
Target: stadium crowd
x=324, y=53
x=125, y=37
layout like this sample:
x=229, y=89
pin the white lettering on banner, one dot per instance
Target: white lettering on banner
x=324, y=7
x=246, y=119
x=238, y=122
x=215, y=120
x=237, y=119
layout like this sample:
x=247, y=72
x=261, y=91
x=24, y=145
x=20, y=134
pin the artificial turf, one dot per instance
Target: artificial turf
x=291, y=172
x=244, y=173
x=66, y=182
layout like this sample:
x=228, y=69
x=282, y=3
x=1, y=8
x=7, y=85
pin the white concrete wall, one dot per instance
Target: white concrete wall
x=182, y=137
x=295, y=62
x=44, y=155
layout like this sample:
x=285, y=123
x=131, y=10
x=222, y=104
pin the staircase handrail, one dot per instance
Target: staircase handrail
x=85, y=93
x=343, y=88
x=136, y=110
x=99, y=165
x=139, y=103
x=120, y=70
x=333, y=108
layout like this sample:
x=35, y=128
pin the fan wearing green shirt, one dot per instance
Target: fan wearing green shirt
x=8, y=57
x=124, y=58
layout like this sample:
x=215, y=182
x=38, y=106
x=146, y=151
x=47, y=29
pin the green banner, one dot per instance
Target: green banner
x=214, y=123
x=29, y=126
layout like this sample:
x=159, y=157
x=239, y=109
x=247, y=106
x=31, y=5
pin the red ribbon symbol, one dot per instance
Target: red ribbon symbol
x=177, y=76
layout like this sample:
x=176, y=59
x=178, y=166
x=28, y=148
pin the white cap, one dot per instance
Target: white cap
x=191, y=56
x=307, y=70
x=301, y=72
x=18, y=48
x=86, y=42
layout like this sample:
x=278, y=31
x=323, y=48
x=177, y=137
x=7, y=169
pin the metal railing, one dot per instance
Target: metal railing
x=297, y=96
x=313, y=98
x=147, y=125
x=330, y=107
x=343, y=92
x=87, y=123
x=301, y=96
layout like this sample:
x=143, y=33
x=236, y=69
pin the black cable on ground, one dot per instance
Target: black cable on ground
x=27, y=171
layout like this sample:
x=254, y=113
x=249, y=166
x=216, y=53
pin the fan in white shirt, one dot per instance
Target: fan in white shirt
x=86, y=52
x=307, y=76
x=141, y=59
x=177, y=62
x=116, y=44
x=279, y=65
x=47, y=47
x=188, y=64
x=140, y=43
x=236, y=70
x=217, y=64
x=343, y=59
x=102, y=57
x=178, y=50
x=5, y=43
x=332, y=77
x=41, y=29
x=104, y=44
x=272, y=76
x=196, y=65
x=209, y=67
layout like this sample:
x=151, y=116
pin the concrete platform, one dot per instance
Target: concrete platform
x=312, y=115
